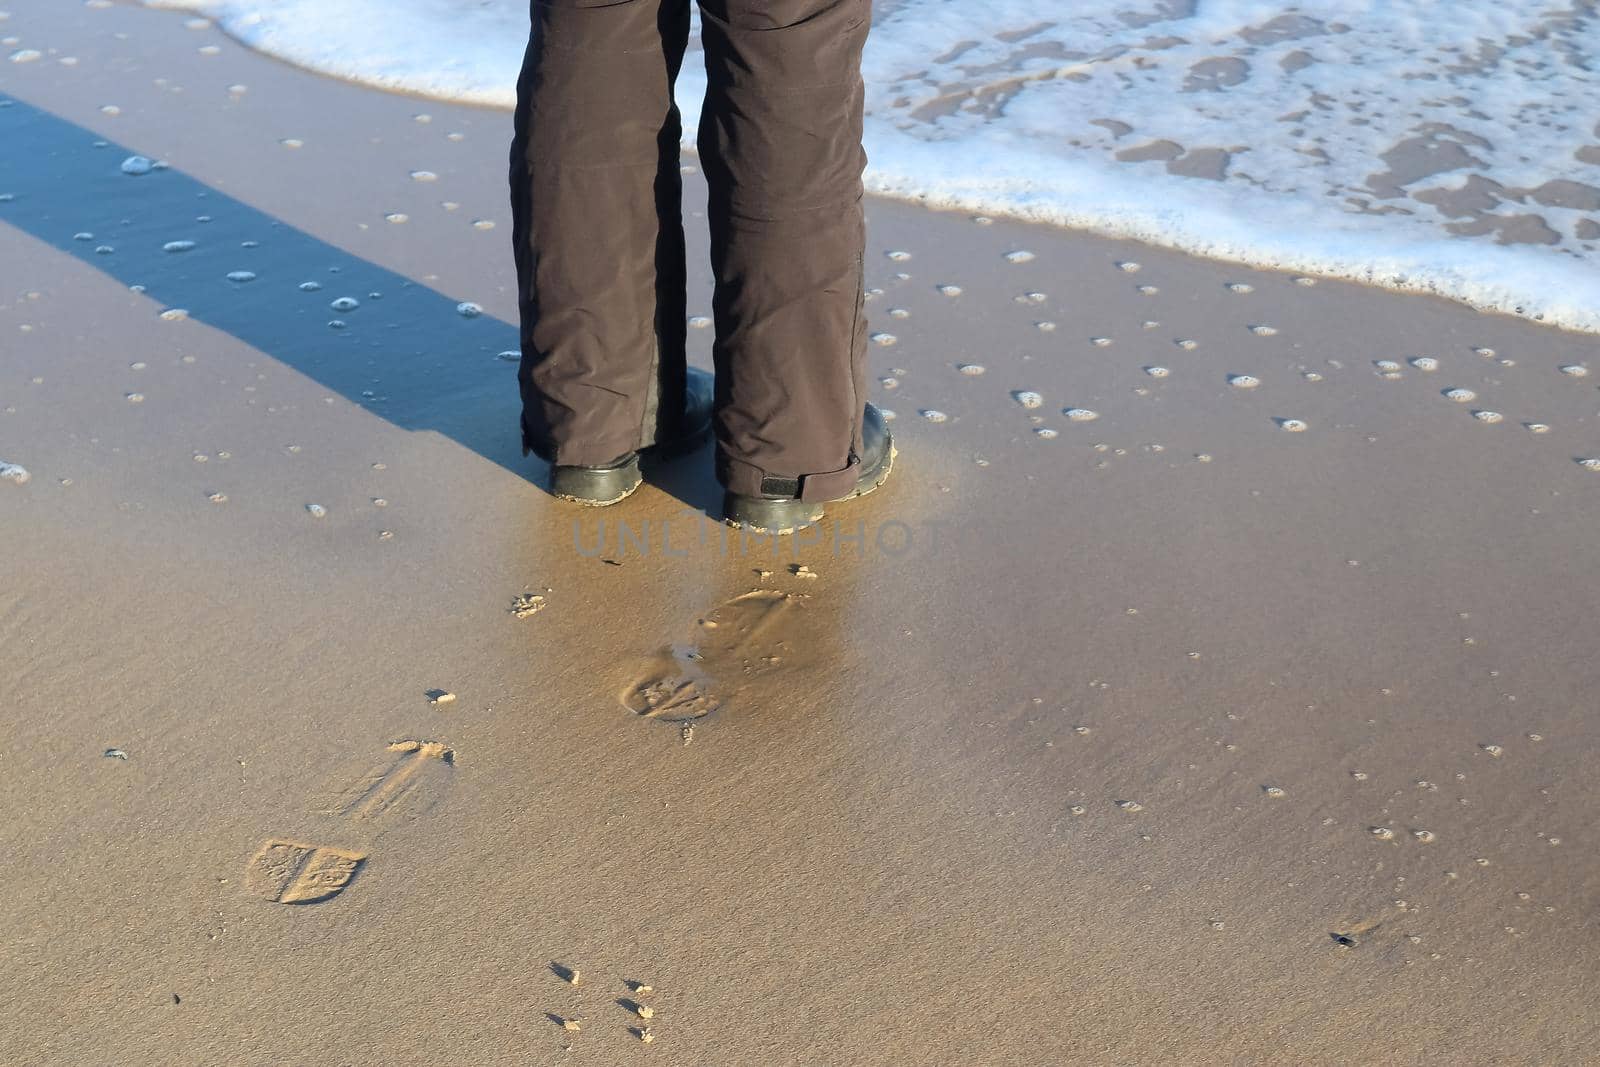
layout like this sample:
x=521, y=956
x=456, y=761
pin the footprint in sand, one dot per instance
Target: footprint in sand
x=295, y=872
x=409, y=767
x=736, y=641
x=291, y=872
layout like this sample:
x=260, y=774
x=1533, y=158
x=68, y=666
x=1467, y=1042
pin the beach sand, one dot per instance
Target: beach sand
x=1176, y=735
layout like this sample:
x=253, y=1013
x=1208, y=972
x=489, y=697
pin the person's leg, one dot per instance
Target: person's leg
x=597, y=227
x=780, y=144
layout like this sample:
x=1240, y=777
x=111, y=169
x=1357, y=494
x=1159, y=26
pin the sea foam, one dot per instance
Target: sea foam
x=1375, y=140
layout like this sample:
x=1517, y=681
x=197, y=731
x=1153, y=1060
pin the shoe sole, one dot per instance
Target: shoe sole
x=595, y=488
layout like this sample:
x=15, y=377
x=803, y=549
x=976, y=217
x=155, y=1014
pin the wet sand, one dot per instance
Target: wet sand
x=1176, y=736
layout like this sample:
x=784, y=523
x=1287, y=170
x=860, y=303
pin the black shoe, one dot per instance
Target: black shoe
x=606, y=483
x=786, y=514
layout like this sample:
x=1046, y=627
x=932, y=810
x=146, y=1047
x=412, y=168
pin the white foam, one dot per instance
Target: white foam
x=989, y=107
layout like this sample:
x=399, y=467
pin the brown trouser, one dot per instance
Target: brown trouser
x=598, y=232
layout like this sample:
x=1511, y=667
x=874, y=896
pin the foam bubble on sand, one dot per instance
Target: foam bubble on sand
x=345, y=303
x=1021, y=255
x=1575, y=370
x=1590, y=464
x=1461, y=396
x=137, y=165
x=241, y=276
x=1293, y=425
x=468, y=310
x=971, y=370
x=1425, y=363
x=884, y=339
x=1081, y=414
x=1045, y=432
x=177, y=246
x=1488, y=416
x=1027, y=398
x=1243, y=381
x=933, y=415
x=950, y=290
x=1157, y=372
x=15, y=473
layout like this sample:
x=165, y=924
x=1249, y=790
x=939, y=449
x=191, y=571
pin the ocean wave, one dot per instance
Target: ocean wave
x=1396, y=143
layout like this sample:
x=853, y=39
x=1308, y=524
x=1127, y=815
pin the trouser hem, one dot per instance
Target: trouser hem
x=747, y=479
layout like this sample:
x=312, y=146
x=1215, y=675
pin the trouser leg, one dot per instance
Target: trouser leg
x=780, y=144
x=597, y=227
